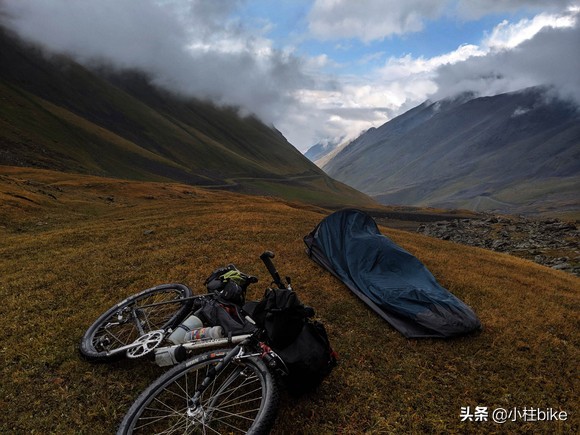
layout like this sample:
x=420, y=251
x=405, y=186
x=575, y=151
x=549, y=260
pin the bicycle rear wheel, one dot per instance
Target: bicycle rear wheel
x=243, y=398
x=160, y=307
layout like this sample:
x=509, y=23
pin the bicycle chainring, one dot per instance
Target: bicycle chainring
x=146, y=343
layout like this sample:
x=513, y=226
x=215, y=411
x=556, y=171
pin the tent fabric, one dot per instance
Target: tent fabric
x=391, y=281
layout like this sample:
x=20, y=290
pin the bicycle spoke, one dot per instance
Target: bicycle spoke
x=154, y=309
x=163, y=404
x=150, y=317
x=233, y=390
x=237, y=414
x=123, y=336
x=227, y=414
x=225, y=423
x=160, y=415
x=178, y=395
x=182, y=421
x=231, y=403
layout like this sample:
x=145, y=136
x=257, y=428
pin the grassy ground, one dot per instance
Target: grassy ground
x=71, y=246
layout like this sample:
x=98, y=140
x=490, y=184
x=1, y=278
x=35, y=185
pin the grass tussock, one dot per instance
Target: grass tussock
x=71, y=246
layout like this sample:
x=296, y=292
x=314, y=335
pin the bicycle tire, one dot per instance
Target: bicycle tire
x=242, y=398
x=114, y=328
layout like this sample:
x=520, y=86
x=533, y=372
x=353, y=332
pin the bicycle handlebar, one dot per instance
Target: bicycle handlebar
x=266, y=257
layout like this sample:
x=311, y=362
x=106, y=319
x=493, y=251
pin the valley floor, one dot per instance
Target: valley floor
x=71, y=246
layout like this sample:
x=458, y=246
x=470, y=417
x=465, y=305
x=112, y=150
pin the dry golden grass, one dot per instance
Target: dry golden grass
x=71, y=246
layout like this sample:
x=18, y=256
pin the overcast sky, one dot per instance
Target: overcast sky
x=319, y=69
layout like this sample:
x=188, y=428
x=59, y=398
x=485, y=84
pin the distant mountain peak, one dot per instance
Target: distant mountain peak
x=323, y=148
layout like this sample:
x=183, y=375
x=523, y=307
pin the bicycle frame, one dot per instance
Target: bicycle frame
x=169, y=355
x=149, y=341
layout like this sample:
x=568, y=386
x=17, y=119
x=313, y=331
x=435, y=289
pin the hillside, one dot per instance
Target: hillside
x=511, y=153
x=72, y=245
x=56, y=114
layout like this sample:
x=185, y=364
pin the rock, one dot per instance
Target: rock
x=543, y=241
x=499, y=245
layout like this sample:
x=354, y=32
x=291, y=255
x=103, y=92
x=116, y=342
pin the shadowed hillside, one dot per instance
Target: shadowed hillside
x=511, y=153
x=71, y=246
x=56, y=114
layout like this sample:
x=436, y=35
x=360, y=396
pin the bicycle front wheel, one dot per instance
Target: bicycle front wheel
x=243, y=398
x=161, y=307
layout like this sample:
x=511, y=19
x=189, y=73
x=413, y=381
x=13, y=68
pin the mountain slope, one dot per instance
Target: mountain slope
x=56, y=114
x=517, y=152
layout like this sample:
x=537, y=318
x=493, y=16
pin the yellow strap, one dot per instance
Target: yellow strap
x=234, y=275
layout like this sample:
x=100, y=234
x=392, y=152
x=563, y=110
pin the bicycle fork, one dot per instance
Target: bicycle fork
x=195, y=410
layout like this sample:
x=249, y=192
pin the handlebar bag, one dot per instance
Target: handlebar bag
x=214, y=282
x=229, y=283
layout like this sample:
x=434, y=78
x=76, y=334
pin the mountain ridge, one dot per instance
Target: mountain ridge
x=57, y=114
x=516, y=152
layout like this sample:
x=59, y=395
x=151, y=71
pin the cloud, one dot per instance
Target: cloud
x=405, y=66
x=370, y=20
x=197, y=48
x=506, y=35
x=200, y=48
x=361, y=102
x=519, y=56
x=474, y=9
x=332, y=113
x=513, y=56
x=530, y=52
x=192, y=47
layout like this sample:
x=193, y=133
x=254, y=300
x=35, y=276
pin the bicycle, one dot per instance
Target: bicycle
x=139, y=324
x=221, y=391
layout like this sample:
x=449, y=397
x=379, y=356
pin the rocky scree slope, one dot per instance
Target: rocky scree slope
x=549, y=242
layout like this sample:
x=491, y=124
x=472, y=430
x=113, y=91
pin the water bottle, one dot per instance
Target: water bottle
x=204, y=333
x=189, y=324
